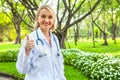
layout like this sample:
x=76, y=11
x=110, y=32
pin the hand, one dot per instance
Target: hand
x=29, y=45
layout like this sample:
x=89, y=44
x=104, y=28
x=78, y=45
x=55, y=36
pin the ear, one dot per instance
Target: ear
x=36, y=19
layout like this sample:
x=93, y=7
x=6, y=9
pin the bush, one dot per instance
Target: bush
x=8, y=56
x=95, y=66
x=69, y=55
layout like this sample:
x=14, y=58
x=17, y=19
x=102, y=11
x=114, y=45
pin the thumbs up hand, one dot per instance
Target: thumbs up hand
x=29, y=45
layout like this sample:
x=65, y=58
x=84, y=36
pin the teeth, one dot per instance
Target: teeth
x=45, y=24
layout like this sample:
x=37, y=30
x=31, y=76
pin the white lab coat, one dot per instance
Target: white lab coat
x=43, y=63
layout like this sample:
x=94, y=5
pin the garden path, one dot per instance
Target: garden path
x=5, y=78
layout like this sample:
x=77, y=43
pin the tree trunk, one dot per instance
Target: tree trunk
x=88, y=31
x=61, y=37
x=93, y=36
x=113, y=32
x=113, y=27
x=105, y=39
x=17, y=21
x=18, y=39
x=104, y=29
x=102, y=32
x=76, y=32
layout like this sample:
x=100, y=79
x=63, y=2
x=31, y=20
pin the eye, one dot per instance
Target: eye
x=43, y=16
x=50, y=17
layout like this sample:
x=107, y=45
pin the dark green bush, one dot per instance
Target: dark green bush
x=8, y=56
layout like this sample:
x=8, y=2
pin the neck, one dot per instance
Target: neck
x=46, y=33
x=47, y=36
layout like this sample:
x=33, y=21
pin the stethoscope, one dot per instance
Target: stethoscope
x=43, y=50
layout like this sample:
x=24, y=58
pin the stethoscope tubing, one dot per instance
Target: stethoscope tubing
x=38, y=39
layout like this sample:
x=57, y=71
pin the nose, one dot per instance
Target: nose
x=46, y=19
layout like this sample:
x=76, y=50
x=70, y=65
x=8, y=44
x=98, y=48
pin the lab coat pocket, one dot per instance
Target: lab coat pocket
x=39, y=56
x=37, y=62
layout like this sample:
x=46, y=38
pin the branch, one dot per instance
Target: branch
x=99, y=12
x=35, y=5
x=17, y=14
x=74, y=5
x=26, y=22
x=26, y=4
x=58, y=10
x=118, y=1
x=46, y=2
x=30, y=6
x=80, y=19
x=60, y=19
x=98, y=27
x=69, y=6
x=94, y=21
x=65, y=4
x=63, y=15
x=78, y=7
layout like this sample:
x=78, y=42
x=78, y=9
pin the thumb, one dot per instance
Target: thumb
x=28, y=38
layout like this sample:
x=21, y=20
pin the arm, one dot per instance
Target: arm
x=61, y=59
x=24, y=55
x=22, y=60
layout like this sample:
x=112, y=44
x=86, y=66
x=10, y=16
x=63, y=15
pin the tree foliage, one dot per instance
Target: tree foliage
x=69, y=14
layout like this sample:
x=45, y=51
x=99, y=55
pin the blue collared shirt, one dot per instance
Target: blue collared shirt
x=43, y=63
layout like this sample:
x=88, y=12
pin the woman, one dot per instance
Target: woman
x=40, y=57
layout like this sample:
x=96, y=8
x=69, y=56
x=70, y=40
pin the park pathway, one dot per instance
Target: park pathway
x=5, y=78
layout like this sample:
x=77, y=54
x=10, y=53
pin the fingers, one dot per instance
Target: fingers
x=29, y=43
x=28, y=37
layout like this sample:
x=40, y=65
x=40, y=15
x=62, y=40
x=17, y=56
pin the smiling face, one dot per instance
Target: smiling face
x=45, y=19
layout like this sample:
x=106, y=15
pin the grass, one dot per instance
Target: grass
x=8, y=46
x=9, y=68
x=73, y=74
x=70, y=72
x=87, y=45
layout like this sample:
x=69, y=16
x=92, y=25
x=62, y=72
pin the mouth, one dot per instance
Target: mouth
x=45, y=24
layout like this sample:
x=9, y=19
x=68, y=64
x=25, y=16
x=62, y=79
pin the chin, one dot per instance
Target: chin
x=47, y=29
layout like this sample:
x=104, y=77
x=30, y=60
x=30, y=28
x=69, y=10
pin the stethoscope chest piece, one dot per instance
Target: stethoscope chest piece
x=58, y=54
x=41, y=55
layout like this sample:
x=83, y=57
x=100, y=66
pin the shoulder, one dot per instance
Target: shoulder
x=55, y=36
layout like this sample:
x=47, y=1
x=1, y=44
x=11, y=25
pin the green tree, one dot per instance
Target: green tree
x=5, y=28
x=66, y=16
x=66, y=13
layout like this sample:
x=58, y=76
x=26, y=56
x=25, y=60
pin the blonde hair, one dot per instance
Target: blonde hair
x=49, y=8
